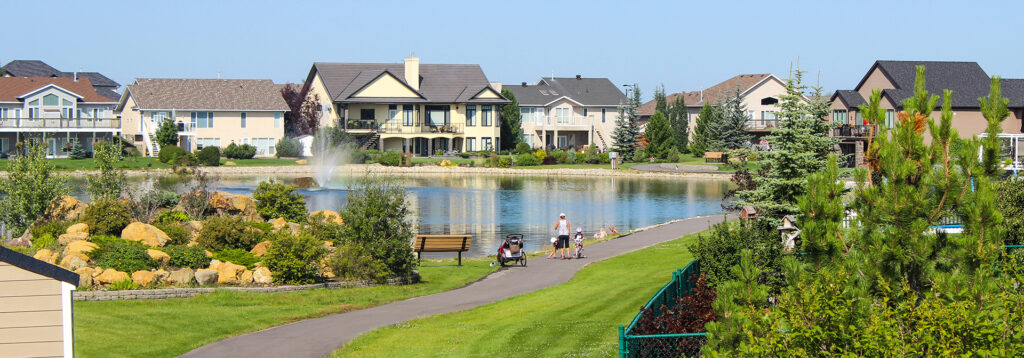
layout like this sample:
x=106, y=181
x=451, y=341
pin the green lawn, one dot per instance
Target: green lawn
x=167, y=328
x=422, y=160
x=262, y=162
x=576, y=319
x=152, y=163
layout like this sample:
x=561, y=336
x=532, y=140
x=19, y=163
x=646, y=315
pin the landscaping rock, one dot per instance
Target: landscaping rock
x=96, y=271
x=84, y=276
x=230, y=163
x=65, y=239
x=229, y=273
x=208, y=253
x=260, y=249
x=245, y=277
x=160, y=275
x=74, y=261
x=279, y=223
x=158, y=255
x=206, y=276
x=214, y=264
x=296, y=228
x=193, y=227
x=235, y=204
x=301, y=162
x=79, y=247
x=262, y=275
x=143, y=278
x=148, y=234
x=305, y=183
x=78, y=228
x=45, y=255
x=110, y=276
x=181, y=277
x=329, y=215
x=65, y=208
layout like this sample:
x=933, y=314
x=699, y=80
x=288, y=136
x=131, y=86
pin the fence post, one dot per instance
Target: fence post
x=622, y=342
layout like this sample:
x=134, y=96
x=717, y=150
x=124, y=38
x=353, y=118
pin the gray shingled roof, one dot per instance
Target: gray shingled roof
x=851, y=98
x=587, y=91
x=1014, y=90
x=439, y=83
x=36, y=68
x=211, y=94
x=966, y=79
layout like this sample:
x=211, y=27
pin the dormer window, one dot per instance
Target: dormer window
x=51, y=100
x=767, y=101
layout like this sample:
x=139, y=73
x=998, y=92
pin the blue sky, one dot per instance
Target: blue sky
x=684, y=44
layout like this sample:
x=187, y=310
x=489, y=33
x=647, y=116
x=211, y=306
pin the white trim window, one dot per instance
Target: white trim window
x=486, y=120
x=470, y=144
x=243, y=115
x=202, y=119
x=265, y=146
x=207, y=142
x=486, y=144
x=277, y=120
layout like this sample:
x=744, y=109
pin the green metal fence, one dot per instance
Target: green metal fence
x=663, y=345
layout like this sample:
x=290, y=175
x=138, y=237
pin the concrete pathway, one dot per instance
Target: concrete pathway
x=320, y=336
x=675, y=168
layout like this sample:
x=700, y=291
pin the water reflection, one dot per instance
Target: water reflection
x=489, y=207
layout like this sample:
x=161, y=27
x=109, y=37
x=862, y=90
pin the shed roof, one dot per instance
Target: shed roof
x=31, y=264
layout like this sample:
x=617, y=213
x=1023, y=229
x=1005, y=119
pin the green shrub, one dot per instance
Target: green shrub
x=295, y=259
x=123, y=285
x=209, y=156
x=603, y=158
x=237, y=257
x=504, y=162
x=352, y=261
x=570, y=157
x=244, y=151
x=123, y=256
x=53, y=228
x=673, y=155
x=1010, y=202
x=559, y=156
x=591, y=156
x=275, y=199
x=171, y=217
x=540, y=154
x=43, y=241
x=78, y=152
x=261, y=226
x=719, y=250
x=522, y=148
x=187, y=256
x=106, y=217
x=390, y=158
x=288, y=147
x=375, y=218
x=105, y=239
x=171, y=154
x=526, y=160
x=323, y=229
x=177, y=233
x=228, y=232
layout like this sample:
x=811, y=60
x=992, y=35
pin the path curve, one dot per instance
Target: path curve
x=319, y=337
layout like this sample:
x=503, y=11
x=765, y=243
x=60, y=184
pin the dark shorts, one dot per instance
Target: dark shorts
x=563, y=241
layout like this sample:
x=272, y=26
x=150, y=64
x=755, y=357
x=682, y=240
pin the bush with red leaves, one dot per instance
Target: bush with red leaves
x=688, y=315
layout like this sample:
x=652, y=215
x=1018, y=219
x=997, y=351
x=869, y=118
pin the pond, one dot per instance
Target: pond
x=490, y=207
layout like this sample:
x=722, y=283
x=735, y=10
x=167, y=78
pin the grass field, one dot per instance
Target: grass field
x=170, y=327
x=576, y=319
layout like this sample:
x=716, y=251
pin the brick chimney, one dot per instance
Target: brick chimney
x=579, y=77
x=412, y=71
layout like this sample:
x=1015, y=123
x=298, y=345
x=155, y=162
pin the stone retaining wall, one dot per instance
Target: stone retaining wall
x=162, y=293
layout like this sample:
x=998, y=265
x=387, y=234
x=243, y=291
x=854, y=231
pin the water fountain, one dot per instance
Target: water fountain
x=328, y=154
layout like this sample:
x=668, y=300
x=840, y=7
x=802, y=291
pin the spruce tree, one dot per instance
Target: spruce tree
x=511, y=121
x=679, y=122
x=167, y=133
x=703, y=132
x=731, y=131
x=659, y=136
x=627, y=131
x=660, y=102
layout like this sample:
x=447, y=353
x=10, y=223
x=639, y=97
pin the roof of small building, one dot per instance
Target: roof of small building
x=439, y=83
x=582, y=90
x=206, y=94
x=31, y=264
x=711, y=94
x=13, y=87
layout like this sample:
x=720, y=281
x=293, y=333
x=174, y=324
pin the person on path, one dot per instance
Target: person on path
x=563, y=235
x=554, y=247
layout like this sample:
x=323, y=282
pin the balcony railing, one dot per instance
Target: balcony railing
x=759, y=124
x=565, y=121
x=361, y=124
x=58, y=123
x=422, y=127
x=853, y=131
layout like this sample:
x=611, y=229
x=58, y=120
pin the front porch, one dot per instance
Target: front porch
x=423, y=146
x=58, y=144
x=562, y=139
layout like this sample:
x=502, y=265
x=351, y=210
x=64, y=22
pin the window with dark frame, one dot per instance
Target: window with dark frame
x=470, y=115
x=486, y=122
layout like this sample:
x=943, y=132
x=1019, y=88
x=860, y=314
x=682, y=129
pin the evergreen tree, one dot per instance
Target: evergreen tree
x=660, y=102
x=679, y=122
x=511, y=122
x=659, y=136
x=703, y=132
x=627, y=130
x=167, y=133
x=730, y=132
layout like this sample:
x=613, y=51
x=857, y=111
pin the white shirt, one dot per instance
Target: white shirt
x=563, y=227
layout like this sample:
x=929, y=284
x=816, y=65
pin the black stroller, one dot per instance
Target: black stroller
x=512, y=250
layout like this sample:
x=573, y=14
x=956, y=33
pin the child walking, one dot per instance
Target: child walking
x=578, y=239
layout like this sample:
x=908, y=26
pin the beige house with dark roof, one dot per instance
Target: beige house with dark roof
x=409, y=107
x=560, y=112
x=208, y=112
x=58, y=112
x=36, y=317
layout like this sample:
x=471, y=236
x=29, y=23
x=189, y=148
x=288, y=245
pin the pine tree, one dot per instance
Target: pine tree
x=659, y=136
x=627, y=130
x=167, y=133
x=660, y=102
x=511, y=121
x=679, y=122
x=731, y=130
x=703, y=132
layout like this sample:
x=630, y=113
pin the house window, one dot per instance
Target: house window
x=768, y=115
x=438, y=115
x=51, y=100
x=243, y=119
x=768, y=101
x=202, y=119
x=392, y=112
x=890, y=118
x=486, y=118
x=563, y=115
x=3, y=112
x=4, y=145
x=470, y=144
x=407, y=115
x=486, y=144
x=584, y=112
x=264, y=146
x=367, y=113
x=470, y=115
x=604, y=112
x=528, y=139
x=839, y=116
x=95, y=113
x=68, y=103
x=277, y=120
x=207, y=142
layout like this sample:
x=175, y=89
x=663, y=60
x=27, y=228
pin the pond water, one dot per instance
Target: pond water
x=490, y=207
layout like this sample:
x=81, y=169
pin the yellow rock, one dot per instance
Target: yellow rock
x=260, y=249
x=79, y=247
x=78, y=228
x=262, y=275
x=279, y=223
x=64, y=208
x=301, y=162
x=74, y=261
x=110, y=276
x=143, y=278
x=84, y=276
x=329, y=215
x=230, y=163
x=147, y=234
x=65, y=239
x=215, y=264
x=158, y=255
x=246, y=277
x=228, y=272
x=208, y=253
x=160, y=275
x=44, y=255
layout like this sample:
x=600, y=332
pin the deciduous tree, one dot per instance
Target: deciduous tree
x=511, y=121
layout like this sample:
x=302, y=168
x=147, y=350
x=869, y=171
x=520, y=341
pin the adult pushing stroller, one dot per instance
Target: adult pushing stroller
x=511, y=250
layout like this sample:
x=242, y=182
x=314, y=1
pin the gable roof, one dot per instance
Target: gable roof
x=966, y=79
x=205, y=94
x=1014, y=90
x=439, y=83
x=711, y=94
x=11, y=88
x=33, y=265
x=594, y=91
x=850, y=98
x=105, y=86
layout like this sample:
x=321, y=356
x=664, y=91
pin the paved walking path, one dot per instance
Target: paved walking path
x=320, y=336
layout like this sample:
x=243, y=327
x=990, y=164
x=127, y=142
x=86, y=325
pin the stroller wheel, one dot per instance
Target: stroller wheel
x=501, y=262
x=524, y=260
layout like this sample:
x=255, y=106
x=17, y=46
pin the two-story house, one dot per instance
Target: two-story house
x=58, y=112
x=208, y=112
x=895, y=79
x=105, y=86
x=409, y=107
x=561, y=112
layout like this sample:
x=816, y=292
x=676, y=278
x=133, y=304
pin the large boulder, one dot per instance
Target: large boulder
x=45, y=255
x=74, y=261
x=143, y=278
x=206, y=276
x=193, y=227
x=79, y=247
x=160, y=256
x=234, y=204
x=79, y=228
x=245, y=277
x=301, y=162
x=181, y=277
x=84, y=276
x=262, y=275
x=279, y=223
x=160, y=275
x=260, y=249
x=65, y=208
x=214, y=264
x=148, y=234
x=110, y=276
x=329, y=215
x=229, y=273
x=65, y=239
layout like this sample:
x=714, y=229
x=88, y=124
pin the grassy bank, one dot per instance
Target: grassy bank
x=167, y=328
x=578, y=318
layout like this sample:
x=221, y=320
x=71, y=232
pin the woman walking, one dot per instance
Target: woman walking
x=563, y=235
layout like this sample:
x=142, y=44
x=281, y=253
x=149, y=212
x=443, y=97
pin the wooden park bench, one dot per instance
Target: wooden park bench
x=714, y=157
x=442, y=243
